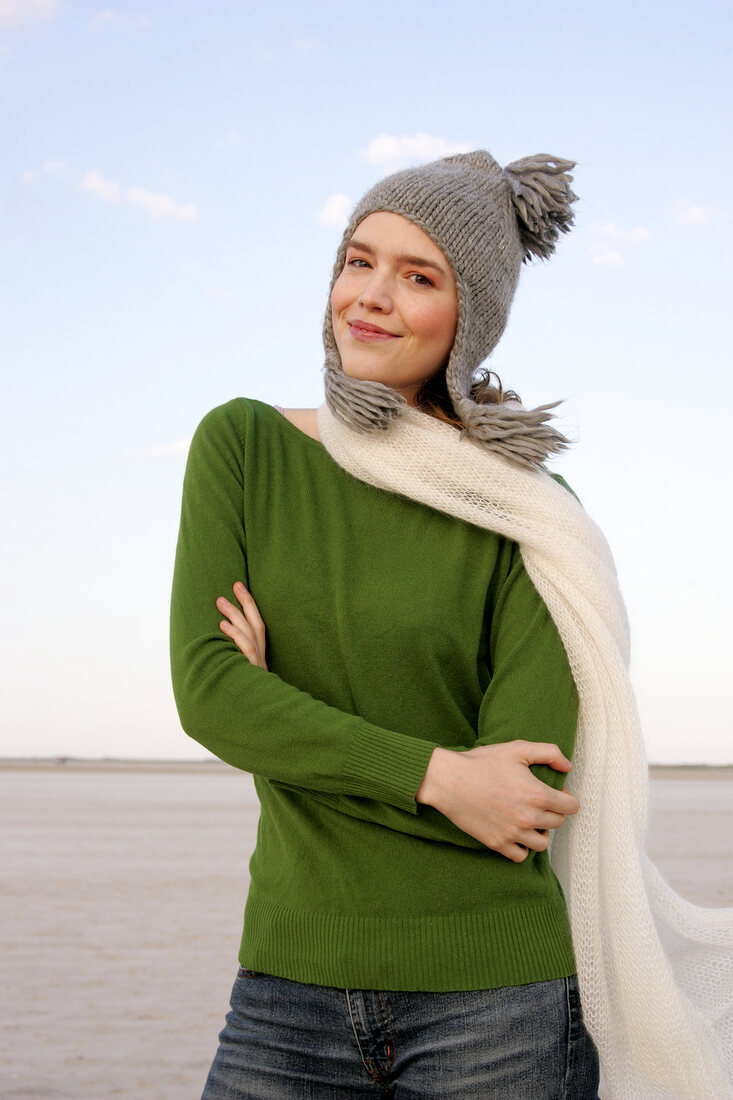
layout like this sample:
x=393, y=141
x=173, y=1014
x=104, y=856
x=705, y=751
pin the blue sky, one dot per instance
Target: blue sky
x=173, y=179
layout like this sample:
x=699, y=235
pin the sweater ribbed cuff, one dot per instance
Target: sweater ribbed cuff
x=387, y=766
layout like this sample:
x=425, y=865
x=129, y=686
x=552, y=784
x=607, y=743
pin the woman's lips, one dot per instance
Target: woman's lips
x=369, y=334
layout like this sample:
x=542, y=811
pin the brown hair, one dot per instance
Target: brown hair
x=487, y=389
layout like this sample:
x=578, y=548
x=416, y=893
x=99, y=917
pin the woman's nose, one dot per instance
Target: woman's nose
x=376, y=294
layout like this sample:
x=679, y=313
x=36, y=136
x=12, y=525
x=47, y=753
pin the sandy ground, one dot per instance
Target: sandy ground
x=122, y=897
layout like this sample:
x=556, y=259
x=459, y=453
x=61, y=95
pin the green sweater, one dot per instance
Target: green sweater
x=391, y=629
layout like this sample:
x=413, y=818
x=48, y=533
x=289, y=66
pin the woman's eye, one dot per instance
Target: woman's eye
x=421, y=280
x=357, y=261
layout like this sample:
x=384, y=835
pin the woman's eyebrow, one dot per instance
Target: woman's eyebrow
x=418, y=261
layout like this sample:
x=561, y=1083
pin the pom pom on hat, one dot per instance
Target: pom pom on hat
x=542, y=197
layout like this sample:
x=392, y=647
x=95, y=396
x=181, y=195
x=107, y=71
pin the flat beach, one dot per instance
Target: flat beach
x=123, y=887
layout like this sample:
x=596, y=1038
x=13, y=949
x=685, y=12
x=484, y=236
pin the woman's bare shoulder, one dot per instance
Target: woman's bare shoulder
x=305, y=419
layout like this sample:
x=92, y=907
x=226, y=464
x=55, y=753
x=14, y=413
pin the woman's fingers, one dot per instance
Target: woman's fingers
x=239, y=625
x=239, y=632
x=538, y=840
x=232, y=612
x=245, y=627
x=543, y=752
x=546, y=799
x=549, y=821
x=251, y=612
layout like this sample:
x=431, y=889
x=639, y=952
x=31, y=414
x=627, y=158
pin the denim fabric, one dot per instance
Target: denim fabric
x=288, y=1041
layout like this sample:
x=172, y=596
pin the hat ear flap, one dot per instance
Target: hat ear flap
x=542, y=196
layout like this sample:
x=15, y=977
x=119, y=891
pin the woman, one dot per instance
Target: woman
x=410, y=717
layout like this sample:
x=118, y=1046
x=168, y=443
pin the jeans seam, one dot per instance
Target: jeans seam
x=391, y=1045
x=367, y=1062
x=364, y=1059
x=568, y=1040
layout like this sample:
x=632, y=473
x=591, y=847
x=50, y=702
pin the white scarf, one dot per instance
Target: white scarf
x=655, y=972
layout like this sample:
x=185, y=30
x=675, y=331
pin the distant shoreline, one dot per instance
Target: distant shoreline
x=207, y=767
x=109, y=764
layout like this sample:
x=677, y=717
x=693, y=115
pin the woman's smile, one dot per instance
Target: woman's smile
x=368, y=333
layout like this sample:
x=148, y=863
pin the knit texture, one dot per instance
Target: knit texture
x=391, y=629
x=655, y=972
x=486, y=220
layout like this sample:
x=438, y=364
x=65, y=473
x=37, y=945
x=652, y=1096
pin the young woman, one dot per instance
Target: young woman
x=400, y=670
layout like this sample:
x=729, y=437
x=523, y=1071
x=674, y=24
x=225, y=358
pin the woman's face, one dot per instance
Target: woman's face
x=394, y=306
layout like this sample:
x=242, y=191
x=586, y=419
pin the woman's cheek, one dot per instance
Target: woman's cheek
x=440, y=326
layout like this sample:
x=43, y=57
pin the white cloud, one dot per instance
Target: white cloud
x=112, y=20
x=306, y=45
x=107, y=190
x=609, y=259
x=15, y=12
x=611, y=232
x=55, y=168
x=686, y=212
x=391, y=153
x=177, y=449
x=161, y=207
x=609, y=243
x=335, y=210
x=219, y=293
x=158, y=206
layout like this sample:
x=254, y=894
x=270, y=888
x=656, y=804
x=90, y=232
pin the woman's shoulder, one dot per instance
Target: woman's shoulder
x=306, y=420
x=233, y=415
x=225, y=427
x=242, y=417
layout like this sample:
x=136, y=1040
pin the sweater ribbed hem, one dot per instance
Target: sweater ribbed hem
x=390, y=765
x=429, y=953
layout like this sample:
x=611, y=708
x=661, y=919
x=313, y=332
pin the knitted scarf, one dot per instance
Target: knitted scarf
x=655, y=972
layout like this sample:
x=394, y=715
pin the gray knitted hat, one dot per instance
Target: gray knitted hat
x=486, y=220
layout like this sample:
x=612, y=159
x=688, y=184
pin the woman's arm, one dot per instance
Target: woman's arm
x=487, y=796
x=245, y=715
x=506, y=790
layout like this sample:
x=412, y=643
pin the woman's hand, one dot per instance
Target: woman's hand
x=490, y=793
x=245, y=627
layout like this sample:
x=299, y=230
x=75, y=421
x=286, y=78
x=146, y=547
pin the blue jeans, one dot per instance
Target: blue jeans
x=287, y=1041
